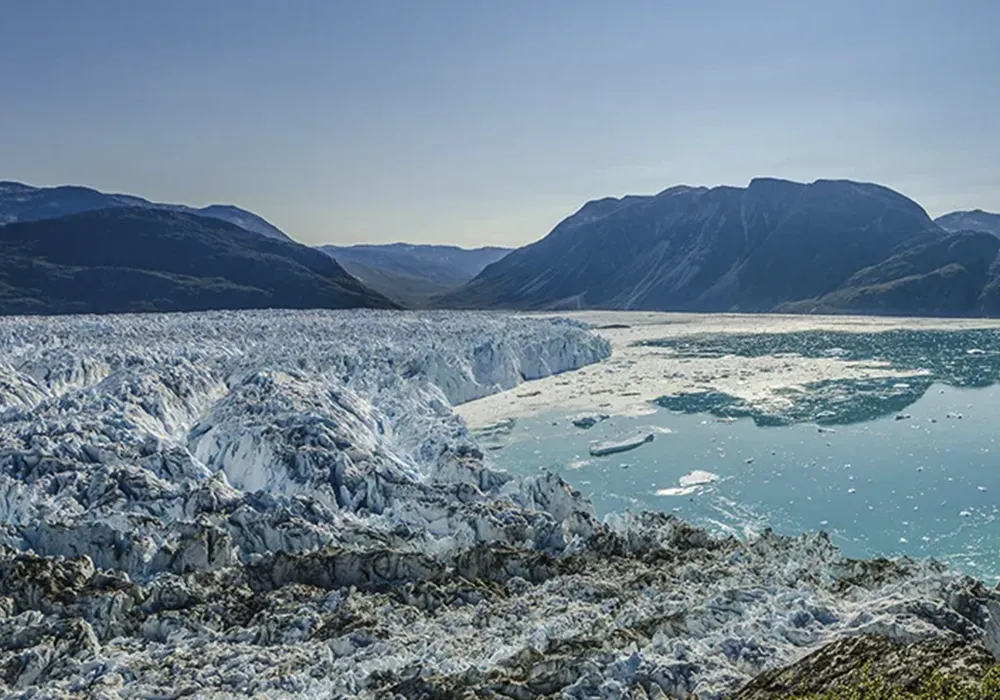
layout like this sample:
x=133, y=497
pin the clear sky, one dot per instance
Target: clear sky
x=486, y=121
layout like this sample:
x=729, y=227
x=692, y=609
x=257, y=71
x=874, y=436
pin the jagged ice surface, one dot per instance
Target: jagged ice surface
x=284, y=504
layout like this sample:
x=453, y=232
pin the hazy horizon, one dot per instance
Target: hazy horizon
x=347, y=123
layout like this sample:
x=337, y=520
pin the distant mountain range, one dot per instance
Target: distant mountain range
x=776, y=245
x=20, y=202
x=414, y=275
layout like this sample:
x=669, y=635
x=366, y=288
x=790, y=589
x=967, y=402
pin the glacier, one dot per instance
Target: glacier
x=285, y=504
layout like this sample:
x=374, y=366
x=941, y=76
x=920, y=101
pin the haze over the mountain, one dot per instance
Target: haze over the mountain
x=974, y=220
x=20, y=202
x=149, y=259
x=772, y=245
x=413, y=274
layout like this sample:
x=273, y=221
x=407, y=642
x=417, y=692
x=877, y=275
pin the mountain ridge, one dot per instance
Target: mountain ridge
x=129, y=259
x=831, y=245
x=20, y=202
x=688, y=248
x=970, y=220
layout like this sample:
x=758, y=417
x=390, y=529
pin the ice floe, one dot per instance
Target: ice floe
x=602, y=449
x=588, y=420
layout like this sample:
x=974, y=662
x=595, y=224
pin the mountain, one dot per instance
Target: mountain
x=413, y=275
x=20, y=202
x=975, y=220
x=957, y=275
x=706, y=249
x=147, y=259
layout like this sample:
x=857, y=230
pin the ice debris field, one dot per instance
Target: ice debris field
x=285, y=504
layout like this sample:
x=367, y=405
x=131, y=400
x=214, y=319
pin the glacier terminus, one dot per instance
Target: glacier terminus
x=284, y=504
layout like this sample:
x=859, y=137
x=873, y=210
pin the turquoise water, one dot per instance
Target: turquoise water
x=923, y=483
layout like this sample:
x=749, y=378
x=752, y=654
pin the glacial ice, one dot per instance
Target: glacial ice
x=585, y=421
x=691, y=482
x=603, y=449
x=284, y=504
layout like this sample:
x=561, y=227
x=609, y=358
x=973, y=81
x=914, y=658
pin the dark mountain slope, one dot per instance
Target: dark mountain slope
x=413, y=274
x=725, y=248
x=20, y=202
x=954, y=276
x=140, y=259
x=975, y=220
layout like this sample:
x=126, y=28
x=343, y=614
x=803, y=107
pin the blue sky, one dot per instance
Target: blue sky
x=486, y=121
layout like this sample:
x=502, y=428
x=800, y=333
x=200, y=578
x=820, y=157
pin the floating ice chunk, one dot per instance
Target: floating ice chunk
x=677, y=491
x=903, y=416
x=602, y=449
x=852, y=490
x=588, y=420
x=749, y=460
x=975, y=351
x=965, y=513
x=953, y=415
x=697, y=478
x=504, y=427
x=981, y=488
x=690, y=483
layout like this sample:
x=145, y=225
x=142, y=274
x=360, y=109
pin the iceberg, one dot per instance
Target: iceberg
x=698, y=477
x=689, y=483
x=602, y=449
x=586, y=421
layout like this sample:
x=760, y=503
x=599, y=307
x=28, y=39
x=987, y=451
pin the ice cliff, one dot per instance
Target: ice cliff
x=283, y=504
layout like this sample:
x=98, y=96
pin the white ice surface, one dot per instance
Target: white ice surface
x=284, y=504
x=602, y=449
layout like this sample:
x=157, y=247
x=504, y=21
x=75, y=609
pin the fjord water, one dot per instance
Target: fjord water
x=923, y=483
